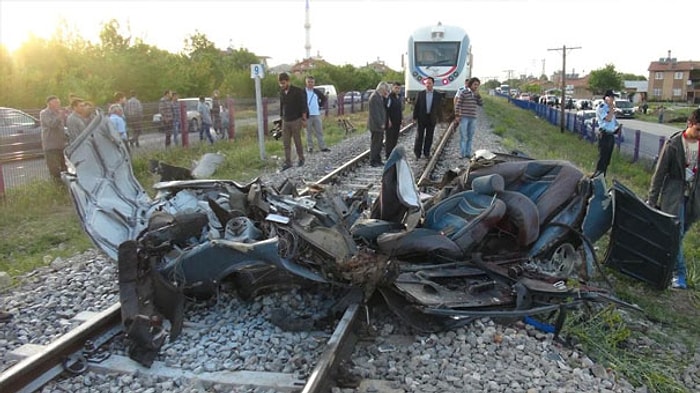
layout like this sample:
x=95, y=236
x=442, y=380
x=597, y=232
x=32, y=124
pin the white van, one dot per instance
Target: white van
x=331, y=94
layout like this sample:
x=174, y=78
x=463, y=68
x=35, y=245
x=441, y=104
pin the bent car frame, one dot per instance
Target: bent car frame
x=509, y=237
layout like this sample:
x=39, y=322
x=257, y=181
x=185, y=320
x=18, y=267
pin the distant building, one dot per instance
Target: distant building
x=379, y=66
x=306, y=66
x=636, y=91
x=672, y=80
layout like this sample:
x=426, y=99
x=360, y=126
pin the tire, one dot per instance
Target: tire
x=194, y=125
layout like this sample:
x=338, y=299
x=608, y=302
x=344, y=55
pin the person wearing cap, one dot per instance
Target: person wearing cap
x=608, y=126
x=53, y=136
x=674, y=185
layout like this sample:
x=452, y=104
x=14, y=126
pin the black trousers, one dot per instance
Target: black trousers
x=606, y=144
x=375, y=146
x=391, y=138
x=424, y=139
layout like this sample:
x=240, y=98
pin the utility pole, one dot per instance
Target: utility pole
x=543, y=71
x=562, y=104
x=510, y=77
x=510, y=74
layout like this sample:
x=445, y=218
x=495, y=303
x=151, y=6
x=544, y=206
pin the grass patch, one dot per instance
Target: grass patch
x=604, y=334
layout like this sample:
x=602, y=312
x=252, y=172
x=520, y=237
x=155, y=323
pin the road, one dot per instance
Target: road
x=644, y=137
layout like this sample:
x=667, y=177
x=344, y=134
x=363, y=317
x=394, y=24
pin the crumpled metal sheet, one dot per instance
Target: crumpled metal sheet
x=504, y=238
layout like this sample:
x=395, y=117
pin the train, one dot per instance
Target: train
x=441, y=51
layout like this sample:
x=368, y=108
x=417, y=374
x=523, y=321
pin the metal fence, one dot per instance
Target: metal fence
x=637, y=144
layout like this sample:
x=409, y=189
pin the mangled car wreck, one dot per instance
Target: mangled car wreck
x=510, y=237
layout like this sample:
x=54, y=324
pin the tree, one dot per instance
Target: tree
x=605, y=79
x=491, y=84
x=111, y=39
x=632, y=77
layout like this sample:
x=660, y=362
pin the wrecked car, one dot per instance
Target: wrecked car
x=509, y=237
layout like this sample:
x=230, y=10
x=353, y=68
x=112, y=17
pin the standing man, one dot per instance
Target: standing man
x=216, y=111
x=674, y=184
x=293, y=111
x=177, y=119
x=53, y=136
x=466, y=102
x=133, y=110
x=608, y=126
x=376, y=123
x=205, y=115
x=116, y=116
x=426, y=113
x=79, y=119
x=166, y=116
x=316, y=101
x=394, y=108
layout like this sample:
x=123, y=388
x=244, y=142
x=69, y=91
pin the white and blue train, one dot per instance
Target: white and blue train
x=443, y=52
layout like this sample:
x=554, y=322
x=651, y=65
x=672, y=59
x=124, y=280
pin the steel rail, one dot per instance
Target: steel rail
x=35, y=369
x=342, y=339
x=350, y=164
x=20, y=376
x=424, y=180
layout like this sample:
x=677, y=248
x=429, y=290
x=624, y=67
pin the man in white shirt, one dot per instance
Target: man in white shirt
x=314, y=126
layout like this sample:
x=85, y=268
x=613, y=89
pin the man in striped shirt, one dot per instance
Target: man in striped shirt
x=466, y=101
x=133, y=110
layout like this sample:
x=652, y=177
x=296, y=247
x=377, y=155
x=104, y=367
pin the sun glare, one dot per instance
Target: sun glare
x=19, y=22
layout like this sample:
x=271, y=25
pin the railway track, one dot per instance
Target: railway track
x=94, y=344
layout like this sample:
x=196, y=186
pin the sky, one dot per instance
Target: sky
x=509, y=38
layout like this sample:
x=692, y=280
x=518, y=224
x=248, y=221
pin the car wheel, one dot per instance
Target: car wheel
x=565, y=260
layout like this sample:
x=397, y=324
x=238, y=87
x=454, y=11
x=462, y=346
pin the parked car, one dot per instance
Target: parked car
x=331, y=94
x=366, y=94
x=550, y=100
x=352, y=96
x=589, y=120
x=584, y=104
x=20, y=135
x=193, y=117
x=624, y=109
x=524, y=96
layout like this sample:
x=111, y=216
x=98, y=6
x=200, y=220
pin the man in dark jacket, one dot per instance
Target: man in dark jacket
x=293, y=111
x=426, y=113
x=674, y=184
x=376, y=123
x=394, y=108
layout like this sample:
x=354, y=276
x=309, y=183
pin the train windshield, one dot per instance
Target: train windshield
x=441, y=54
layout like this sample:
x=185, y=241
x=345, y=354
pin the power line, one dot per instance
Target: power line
x=563, y=83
